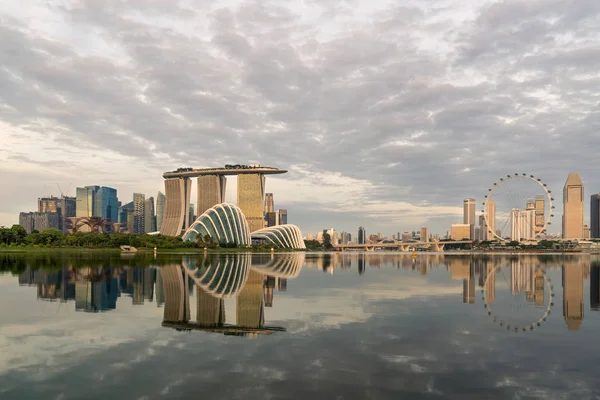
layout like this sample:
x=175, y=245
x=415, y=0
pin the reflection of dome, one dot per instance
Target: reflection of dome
x=221, y=276
x=224, y=223
x=282, y=266
x=284, y=236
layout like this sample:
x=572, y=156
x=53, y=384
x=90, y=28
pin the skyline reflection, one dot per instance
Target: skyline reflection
x=203, y=283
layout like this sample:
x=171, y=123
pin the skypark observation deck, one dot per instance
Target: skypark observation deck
x=196, y=172
x=212, y=183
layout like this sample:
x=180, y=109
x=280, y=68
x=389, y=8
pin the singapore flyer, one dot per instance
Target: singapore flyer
x=517, y=207
x=518, y=297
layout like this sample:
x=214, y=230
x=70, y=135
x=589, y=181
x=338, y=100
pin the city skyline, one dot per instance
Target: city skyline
x=381, y=132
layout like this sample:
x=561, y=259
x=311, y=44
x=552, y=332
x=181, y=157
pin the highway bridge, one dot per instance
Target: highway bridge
x=400, y=246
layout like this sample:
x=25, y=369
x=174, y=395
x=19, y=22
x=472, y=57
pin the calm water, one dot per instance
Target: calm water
x=318, y=326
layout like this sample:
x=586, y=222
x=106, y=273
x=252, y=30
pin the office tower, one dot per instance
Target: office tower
x=160, y=210
x=491, y=218
x=460, y=232
x=271, y=219
x=149, y=218
x=483, y=229
x=540, y=218
x=126, y=216
x=424, y=234
x=191, y=215
x=269, y=204
x=85, y=197
x=250, y=305
x=105, y=204
x=595, y=216
x=476, y=233
x=469, y=214
x=211, y=191
x=139, y=224
x=572, y=274
x=362, y=235
x=406, y=237
x=31, y=221
x=572, y=222
x=586, y=232
x=595, y=287
x=282, y=217
x=63, y=206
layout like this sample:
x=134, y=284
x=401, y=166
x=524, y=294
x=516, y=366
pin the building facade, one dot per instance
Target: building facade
x=572, y=222
x=38, y=221
x=250, y=196
x=139, y=214
x=149, y=217
x=211, y=191
x=362, y=235
x=424, y=234
x=160, y=210
x=177, y=205
x=460, y=232
x=282, y=217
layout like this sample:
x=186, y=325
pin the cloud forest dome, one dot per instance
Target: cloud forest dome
x=225, y=223
x=285, y=236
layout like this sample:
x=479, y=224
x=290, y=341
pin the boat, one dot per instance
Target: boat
x=128, y=249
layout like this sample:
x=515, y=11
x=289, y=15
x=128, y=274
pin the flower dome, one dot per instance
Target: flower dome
x=225, y=223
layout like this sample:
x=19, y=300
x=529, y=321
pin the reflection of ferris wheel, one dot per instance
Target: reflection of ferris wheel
x=517, y=195
x=510, y=322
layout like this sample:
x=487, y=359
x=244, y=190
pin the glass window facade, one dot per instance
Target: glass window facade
x=225, y=223
x=283, y=236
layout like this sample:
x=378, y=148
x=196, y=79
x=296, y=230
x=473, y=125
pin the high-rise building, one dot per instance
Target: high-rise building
x=362, y=235
x=460, y=232
x=211, y=191
x=250, y=198
x=64, y=206
x=175, y=216
x=595, y=216
x=149, y=217
x=160, y=210
x=540, y=218
x=105, y=204
x=271, y=219
x=282, y=217
x=406, y=237
x=572, y=222
x=424, y=234
x=191, y=215
x=139, y=214
x=491, y=219
x=483, y=229
x=269, y=203
x=31, y=221
x=85, y=197
x=469, y=214
x=126, y=217
x=586, y=232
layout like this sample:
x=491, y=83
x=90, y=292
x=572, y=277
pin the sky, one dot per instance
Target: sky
x=386, y=114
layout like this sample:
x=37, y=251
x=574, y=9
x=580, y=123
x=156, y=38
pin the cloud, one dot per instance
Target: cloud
x=364, y=102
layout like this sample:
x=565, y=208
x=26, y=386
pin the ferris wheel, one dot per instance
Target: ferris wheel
x=513, y=197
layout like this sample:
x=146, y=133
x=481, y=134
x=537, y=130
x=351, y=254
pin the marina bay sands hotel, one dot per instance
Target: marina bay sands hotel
x=211, y=191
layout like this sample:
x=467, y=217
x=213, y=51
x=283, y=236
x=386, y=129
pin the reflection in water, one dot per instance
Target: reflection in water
x=515, y=290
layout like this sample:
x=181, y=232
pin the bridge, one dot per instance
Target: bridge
x=400, y=246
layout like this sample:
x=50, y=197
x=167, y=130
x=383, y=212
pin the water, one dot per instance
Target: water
x=378, y=325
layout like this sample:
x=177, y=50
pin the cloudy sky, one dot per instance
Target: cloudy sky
x=386, y=114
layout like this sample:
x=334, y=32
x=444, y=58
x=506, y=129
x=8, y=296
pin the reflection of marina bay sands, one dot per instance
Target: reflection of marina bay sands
x=211, y=191
x=248, y=278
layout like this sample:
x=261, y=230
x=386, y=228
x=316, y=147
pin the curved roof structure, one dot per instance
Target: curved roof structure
x=219, y=276
x=224, y=223
x=285, y=266
x=284, y=236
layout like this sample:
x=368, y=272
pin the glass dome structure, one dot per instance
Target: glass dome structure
x=284, y=236
x=225, y=223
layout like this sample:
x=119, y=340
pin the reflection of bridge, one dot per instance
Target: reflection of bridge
x=400, y=246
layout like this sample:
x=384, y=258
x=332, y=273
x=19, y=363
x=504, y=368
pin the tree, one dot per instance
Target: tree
x=513, y=243
x=18, y=233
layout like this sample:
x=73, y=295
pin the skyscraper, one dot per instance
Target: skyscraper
x=491, y=219
x=63, y=206
x=595, y=216
x=106, y=204
x=269, y=204
x=85, y=197
x=149, y=217
x=572, y=222
x=250, y=199
x=469, y=214
x=160, y=210
x=211, y=191
x=424, y=234
x=540, y=218
x=191, y=215
x=282, y=217
x=139, y=214
x=126, y=218
x=362, y=235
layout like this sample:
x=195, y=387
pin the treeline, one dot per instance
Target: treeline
x=16, y=236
